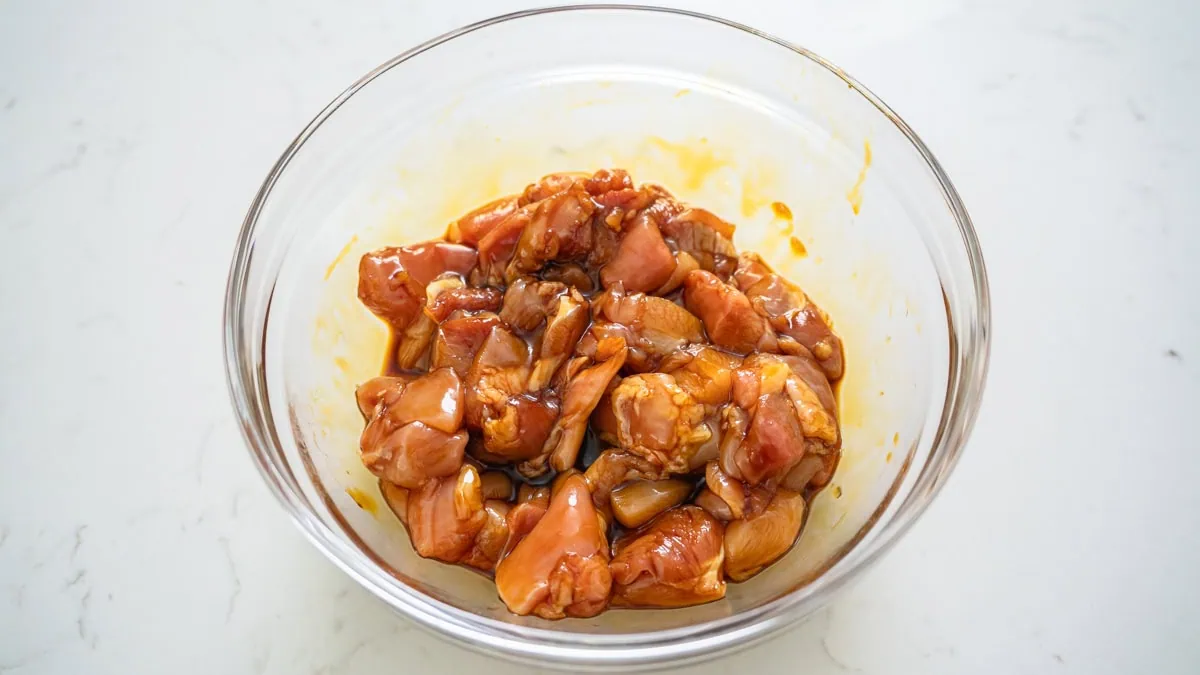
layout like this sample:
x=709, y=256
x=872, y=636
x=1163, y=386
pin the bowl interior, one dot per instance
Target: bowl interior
x=723, y=118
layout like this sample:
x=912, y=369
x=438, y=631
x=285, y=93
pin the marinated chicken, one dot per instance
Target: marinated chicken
x=593, y=397
x=675, y=561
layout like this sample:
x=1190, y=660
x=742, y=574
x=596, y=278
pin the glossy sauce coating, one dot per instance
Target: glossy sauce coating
x=592, y=395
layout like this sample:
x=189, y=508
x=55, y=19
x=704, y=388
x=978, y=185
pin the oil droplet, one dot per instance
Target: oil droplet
x=342, y=364
x=798, y=247
x=855, y=195
x=341, y=254
x=888, y=458
x=896, y=438
x=365, y=501
x=837, y=491
x=781, y=210
x=682, y=92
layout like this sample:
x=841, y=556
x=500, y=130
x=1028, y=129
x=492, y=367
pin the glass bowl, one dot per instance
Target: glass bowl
x=726, y=117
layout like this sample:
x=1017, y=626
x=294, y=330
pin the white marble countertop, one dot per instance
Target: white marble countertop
x=136, y=537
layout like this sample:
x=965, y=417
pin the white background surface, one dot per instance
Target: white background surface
x=135, y=536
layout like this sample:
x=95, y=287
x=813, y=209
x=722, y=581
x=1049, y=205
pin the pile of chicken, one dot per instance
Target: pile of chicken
x=586, y=306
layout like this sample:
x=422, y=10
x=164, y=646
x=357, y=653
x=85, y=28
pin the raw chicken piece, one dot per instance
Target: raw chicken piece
x=435, y=399
x=412, y=454
x=813, y=471
x=658, y=420
x=396, y=498
x=523, y=517
x=559, y=230
x=761, y=538
x=790, y=312
x=607, y=181
x=730, y=491
x=514, y=425
x=716, y=507
x=705, y=237
x=444, y=516
x=806, y=388
x=660, y=202
x=535, y=494
x=614, y=467
x=561, y=567
x=471, y=228
x=497, y=246
x=496, y=485
x=804, y=366
x=379, y=390
x=675, y=561
x=459, y=339
x=550, y=185
x=392, y=281
x=643, y=262
x=564, y=327
x=637, y=502
x=606, y=237
x=774, y=443
x=447, y=301
x=684, y=265
x=703, y=372
x=388, y=290
x=582, y=394
x=653, y=327
x=488, y=546
x=426, y=262
x=412, y=344
x=500, y=370
x=408, y=443
x=816, y=421
x=728, y=317
x=762, y=435
x=518, y=430
x=528, y=304
x=528, y=301
x=570, y=274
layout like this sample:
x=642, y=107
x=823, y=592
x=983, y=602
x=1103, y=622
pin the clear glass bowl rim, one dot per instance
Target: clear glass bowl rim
x=246, y=379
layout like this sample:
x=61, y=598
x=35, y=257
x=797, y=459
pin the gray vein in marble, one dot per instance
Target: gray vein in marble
x=261, y=658
x=835, y=660
x=172, y=225
x=339, y=664
x=69, y=163
x=76, y=580
x=202, y=450
x=1065, y=34
x=237, y=582
x=12, y=103
x=81, y=621
x=3, y=535
x=1135, y=110
x=25, y=661
x=78, y=541
x=235, y=504
x=1075, y=130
